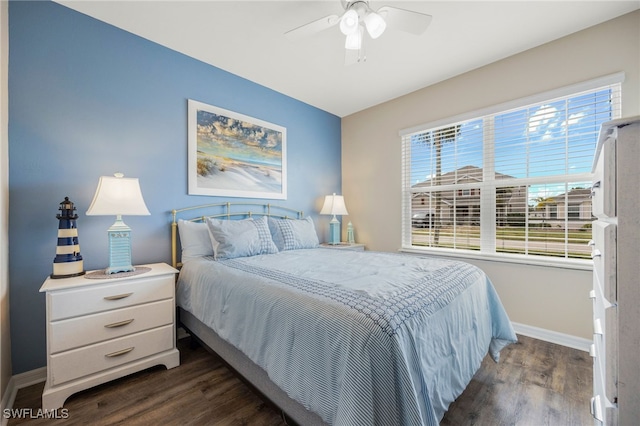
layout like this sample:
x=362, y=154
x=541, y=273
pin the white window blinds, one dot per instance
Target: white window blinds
x=513, y=181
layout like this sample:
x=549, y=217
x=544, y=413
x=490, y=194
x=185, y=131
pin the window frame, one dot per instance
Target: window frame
x=488, y=187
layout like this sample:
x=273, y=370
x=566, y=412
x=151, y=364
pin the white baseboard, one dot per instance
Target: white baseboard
x=553, y=337
x=18, y=382
x=29, y=378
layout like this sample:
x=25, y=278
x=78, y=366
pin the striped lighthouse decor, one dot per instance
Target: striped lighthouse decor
x=68, y=261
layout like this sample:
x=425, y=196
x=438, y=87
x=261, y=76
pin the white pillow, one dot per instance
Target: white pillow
x=293, y=234
x=241, y=238
x=194, y=239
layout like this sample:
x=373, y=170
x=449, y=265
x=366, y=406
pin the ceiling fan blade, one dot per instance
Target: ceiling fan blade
x=313, y=27
x=405, y=20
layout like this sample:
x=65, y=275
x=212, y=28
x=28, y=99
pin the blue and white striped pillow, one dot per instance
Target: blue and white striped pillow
x=293, y=234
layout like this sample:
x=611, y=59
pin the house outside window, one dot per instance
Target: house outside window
x=515, y=182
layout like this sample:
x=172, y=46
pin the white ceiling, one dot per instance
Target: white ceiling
x=246, y=38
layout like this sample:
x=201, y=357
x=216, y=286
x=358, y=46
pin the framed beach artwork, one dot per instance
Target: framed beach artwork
x=234, y=155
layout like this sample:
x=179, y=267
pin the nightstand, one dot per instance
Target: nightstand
x=344, y=246
x=102, y=329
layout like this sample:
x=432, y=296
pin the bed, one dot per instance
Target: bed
x=330, y=336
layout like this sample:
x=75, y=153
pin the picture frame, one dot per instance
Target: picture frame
x=234, y=155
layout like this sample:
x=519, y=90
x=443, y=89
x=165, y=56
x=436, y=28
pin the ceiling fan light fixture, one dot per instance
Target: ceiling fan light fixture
x=354, y=40
x=349, y=22
x=375, y=24
x=357, y=17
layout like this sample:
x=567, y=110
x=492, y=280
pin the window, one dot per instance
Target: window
x=513, y=181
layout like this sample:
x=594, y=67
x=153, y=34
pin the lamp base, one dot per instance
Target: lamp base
x=118, y=269
x=334, y=231
x=119, y=248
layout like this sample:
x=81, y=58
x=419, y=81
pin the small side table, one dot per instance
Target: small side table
x=344, y=246
x=102, y=329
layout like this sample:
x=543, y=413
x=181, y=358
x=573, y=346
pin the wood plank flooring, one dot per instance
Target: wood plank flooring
x=535, y=383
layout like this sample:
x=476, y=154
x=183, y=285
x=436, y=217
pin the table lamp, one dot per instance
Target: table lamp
x=334, y=205
x=118, y=196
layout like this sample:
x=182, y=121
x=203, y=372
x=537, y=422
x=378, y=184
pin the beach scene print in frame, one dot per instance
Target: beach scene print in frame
x=234, y=155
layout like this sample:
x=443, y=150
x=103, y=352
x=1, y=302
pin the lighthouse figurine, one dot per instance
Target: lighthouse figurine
x=68, y=261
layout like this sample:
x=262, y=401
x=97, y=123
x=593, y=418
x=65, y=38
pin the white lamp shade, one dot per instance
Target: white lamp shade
x=334, y=205
x=117, y=195
x=375, y=24
x=349, y=22
x=354, y=40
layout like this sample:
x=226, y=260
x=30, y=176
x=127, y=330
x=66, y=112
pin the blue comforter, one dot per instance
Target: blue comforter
x=360, y=338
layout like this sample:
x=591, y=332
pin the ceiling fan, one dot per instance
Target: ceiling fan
x=359, y=16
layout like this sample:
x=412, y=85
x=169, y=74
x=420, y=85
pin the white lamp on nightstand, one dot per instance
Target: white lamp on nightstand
x=118, y=196
x=334, y=205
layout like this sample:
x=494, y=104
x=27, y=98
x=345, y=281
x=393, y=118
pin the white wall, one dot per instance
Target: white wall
x=5, y=343
x=544, y=297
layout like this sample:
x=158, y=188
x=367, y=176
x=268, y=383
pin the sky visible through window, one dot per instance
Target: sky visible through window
x=557, y=138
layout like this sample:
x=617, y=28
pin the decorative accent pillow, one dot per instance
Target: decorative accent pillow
x=241, y=238
x=194, y=239
x=293, y=234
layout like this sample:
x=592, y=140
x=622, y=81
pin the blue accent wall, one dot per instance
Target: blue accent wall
x=87, y=99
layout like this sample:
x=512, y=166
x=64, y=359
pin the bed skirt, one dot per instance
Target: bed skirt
x=249, y=370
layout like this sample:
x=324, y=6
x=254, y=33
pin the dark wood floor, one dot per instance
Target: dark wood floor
x=535, y=383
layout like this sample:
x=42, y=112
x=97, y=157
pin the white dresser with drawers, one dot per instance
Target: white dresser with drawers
x=102, y=329
x=616, y=274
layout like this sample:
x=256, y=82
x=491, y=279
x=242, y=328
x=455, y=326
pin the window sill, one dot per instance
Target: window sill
x=577, y=264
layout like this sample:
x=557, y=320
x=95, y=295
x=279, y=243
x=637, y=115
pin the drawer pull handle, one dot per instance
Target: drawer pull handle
x=591, y=243
x=119, y=353
x=592, y=350
x=119, y=323
x=596, y=253
x=118, y=296
x=592, y=294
